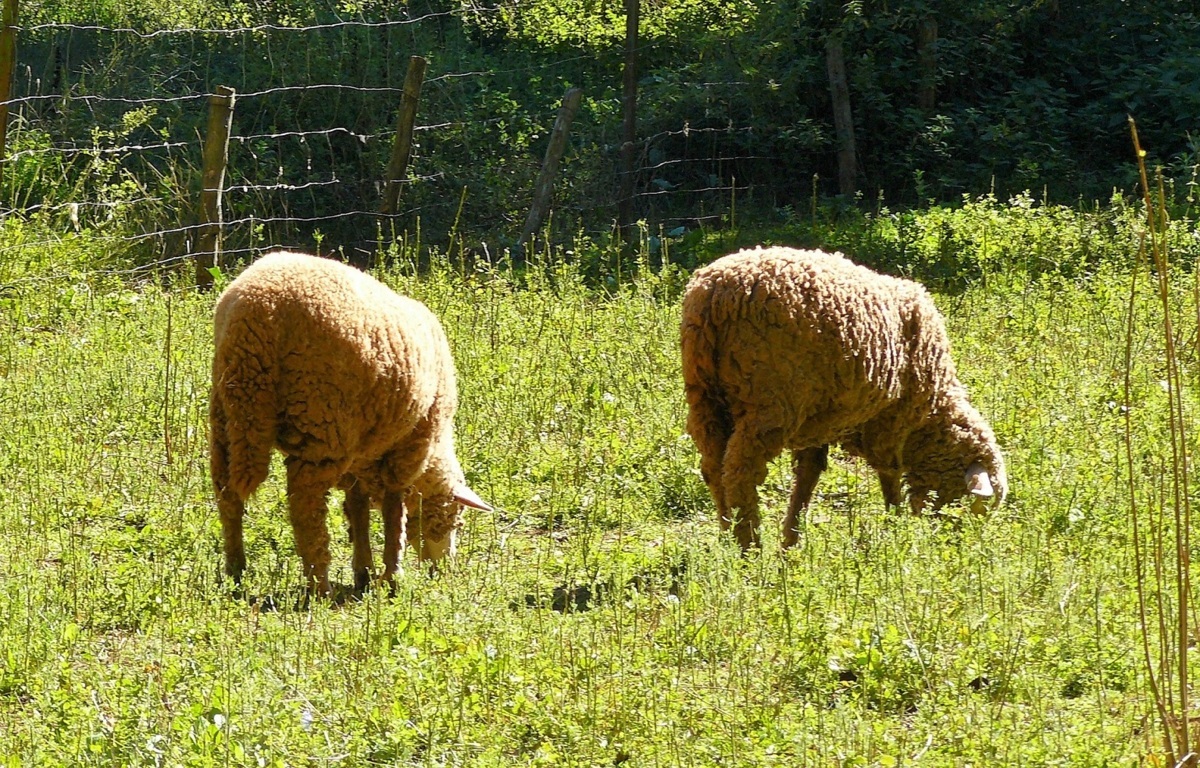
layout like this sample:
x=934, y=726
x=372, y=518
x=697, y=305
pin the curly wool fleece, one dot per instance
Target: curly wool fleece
x=795, y=349
x=355, y=384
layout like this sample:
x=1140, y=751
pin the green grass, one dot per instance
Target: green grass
x=881, y=640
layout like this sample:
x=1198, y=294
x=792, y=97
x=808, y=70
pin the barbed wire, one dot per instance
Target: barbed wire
x=227, y=257
x=240, y=95
x=302, y=135
x=285, y=187
x=254, y=219
x=186, y=256
x=687, y=160
x=256, y=28
x=281, y=187
x=93, y=150
x=275, y=192
x=97, y=99
x=51, y=207
x=701, y=190
x=362, y=137
x=687, y=131
x=242, y=139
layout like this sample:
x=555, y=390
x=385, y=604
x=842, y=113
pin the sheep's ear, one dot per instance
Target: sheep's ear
x=978, y=482
x=468, y=498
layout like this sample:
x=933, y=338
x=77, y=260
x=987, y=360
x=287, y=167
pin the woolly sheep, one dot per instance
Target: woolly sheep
x=356, y=386
x=794, y=349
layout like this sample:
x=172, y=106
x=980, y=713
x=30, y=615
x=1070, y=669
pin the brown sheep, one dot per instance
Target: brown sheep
x=355, y=384
x=785, y=348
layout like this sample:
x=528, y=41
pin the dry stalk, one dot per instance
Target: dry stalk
x=1173, y=706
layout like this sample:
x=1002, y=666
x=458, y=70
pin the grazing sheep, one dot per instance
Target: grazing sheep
x=784, y=348
x=355, y=385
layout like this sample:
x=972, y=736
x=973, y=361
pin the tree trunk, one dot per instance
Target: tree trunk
x=625, y=209
x=927, y=62
x=843, y=122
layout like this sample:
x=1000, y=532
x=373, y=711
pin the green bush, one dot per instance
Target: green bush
x=734, y=114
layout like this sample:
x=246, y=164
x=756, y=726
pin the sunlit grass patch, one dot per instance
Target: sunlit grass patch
x=596, y=616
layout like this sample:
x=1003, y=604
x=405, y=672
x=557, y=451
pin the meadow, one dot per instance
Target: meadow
x=597, y=616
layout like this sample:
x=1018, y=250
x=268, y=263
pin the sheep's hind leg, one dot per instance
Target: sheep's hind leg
x=232, y=510
x=807, y=466
x=709, y=427
x=308, y=486
x=357, y=508
x=230, y=506
x=746, y=457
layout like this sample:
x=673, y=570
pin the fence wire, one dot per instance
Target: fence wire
x=107, y=134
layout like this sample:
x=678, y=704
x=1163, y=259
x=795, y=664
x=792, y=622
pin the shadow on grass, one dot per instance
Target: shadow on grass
x=297, y=599
x=577, y=598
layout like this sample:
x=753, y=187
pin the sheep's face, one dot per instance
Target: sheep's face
x=945, y=466
x=434, y=520
x=432, y=526
x=974, y=482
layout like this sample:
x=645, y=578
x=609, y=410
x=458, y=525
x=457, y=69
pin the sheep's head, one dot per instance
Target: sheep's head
x=953, y=462
x=435, y=517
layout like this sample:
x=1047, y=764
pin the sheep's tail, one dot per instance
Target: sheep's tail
x=709, y=420
x=242, y=416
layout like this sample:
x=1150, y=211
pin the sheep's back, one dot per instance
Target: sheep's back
x=355, y=365
x=811, y=335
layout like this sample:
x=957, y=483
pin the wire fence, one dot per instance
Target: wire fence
x=107, y=132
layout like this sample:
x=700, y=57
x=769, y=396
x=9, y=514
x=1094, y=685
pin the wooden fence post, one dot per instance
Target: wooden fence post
x=216, y=157
x=8, y=60
x=625, y=208
x=843, y=122
x=402, y=146
x=543, y=189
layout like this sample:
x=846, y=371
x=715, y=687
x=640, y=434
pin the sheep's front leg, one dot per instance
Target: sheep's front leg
x=807, y=466
x=882, y=445
x=432, y=527
x=889, y=483
x=357, y=508
x=750, y=448
x=393, y=533
x=308, y=485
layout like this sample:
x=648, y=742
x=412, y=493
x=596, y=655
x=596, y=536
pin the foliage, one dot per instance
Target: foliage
x=733, y=111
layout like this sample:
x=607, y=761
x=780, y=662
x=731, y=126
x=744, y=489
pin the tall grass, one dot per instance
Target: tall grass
x=597, y=616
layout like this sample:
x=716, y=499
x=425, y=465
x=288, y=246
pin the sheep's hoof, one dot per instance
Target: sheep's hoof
x=388, y=583
x=747, y=538
x=234, y=568
x=791, y=537
x=362, y=580
x=320, y=590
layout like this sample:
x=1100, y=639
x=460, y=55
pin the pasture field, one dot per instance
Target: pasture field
x=596, y=617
